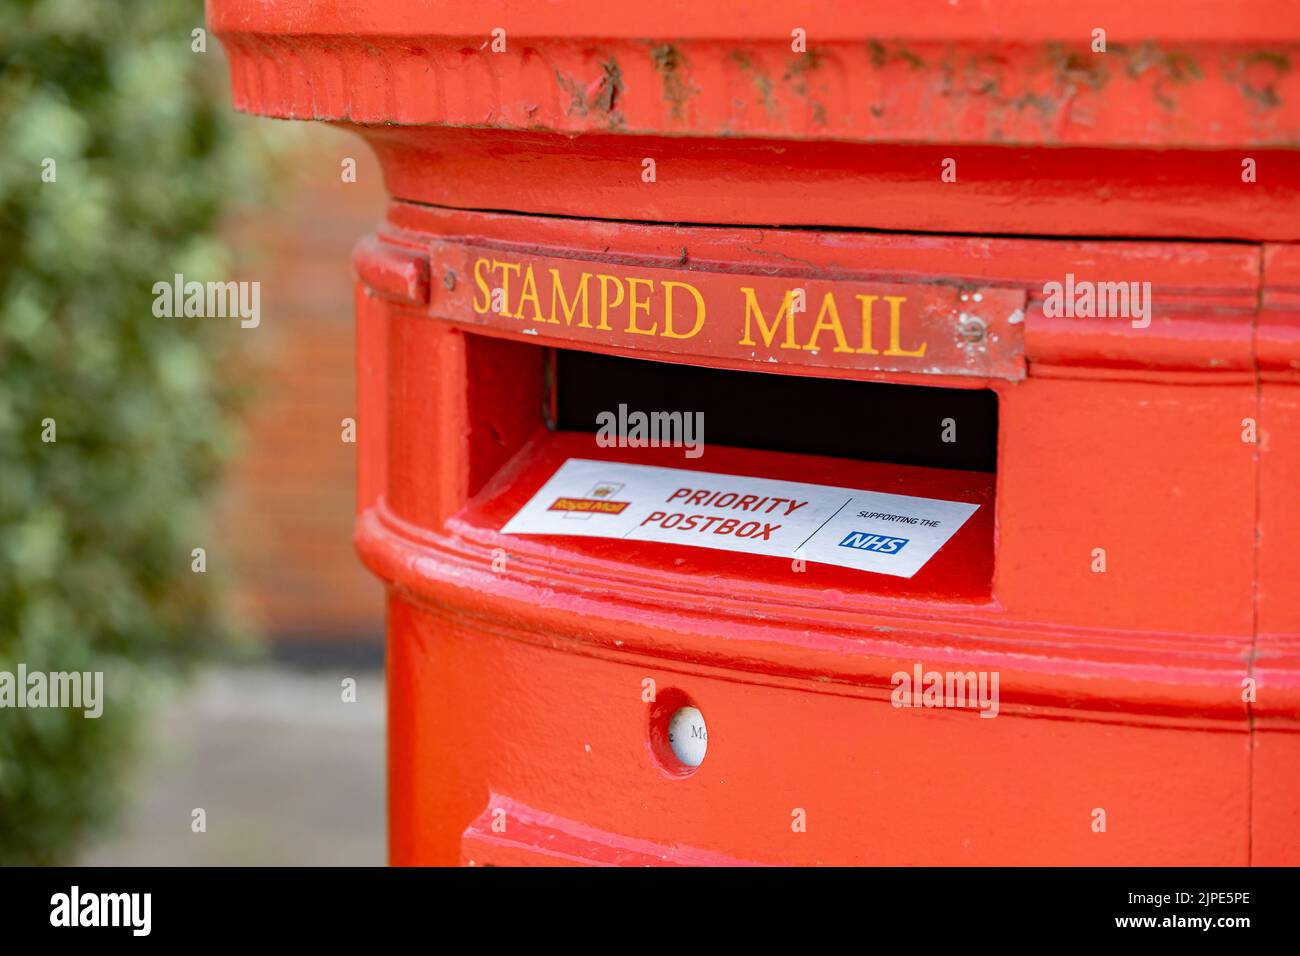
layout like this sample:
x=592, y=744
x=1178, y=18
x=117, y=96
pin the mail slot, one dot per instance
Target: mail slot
x=667, y=430
x=788, y=457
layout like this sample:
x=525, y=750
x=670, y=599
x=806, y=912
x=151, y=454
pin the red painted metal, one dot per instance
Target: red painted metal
x=660, y=307
x=519, y=728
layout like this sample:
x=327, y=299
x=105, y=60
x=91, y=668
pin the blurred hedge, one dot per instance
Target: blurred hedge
x=96, y=530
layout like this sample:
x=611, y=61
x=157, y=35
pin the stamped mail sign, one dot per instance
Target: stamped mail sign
x=811, y=319
x=848, y=527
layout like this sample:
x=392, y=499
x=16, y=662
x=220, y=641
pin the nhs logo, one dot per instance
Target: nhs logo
x=873, y=542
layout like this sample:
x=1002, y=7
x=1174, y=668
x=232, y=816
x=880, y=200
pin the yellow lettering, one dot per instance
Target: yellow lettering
x=605, y=304
x=505, y=268
x=529, y=293
x=634, y=304
x=829, y=308
x=895, y=328
x=557, y=291
x=480, y=280
x=868, y=307
x=768, y=331
x=668, y=332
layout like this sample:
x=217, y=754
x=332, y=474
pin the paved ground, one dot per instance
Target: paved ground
x=287, y=772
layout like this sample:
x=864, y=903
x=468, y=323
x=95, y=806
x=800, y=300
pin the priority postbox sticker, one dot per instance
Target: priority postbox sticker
x=848, y=527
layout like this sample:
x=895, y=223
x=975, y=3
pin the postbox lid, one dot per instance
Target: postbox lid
x=1189, y=73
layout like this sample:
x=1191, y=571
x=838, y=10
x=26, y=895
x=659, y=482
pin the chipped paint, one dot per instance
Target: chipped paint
x=671, y=67
x=796, y=77
x=611, y=87
x=1073, y=69
x=880, y=56
x=600, y=97
x=1256, y=74
x=762, y=83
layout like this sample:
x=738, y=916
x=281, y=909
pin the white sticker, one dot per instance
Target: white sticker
x=851, y=528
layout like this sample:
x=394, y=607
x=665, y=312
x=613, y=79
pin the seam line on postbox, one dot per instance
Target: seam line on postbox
x=868, y=230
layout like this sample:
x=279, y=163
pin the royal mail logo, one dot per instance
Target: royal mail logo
x=589, y=505
x=599, y=500
x=879, y=543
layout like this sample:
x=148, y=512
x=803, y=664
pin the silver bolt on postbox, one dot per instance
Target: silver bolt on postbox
x=972, y=329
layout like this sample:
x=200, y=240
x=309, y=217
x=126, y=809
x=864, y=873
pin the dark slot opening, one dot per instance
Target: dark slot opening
x=868, y=421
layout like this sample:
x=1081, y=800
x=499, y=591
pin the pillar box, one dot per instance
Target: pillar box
x=802, y=434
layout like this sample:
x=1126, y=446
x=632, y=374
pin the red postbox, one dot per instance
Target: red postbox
x=1017, y=287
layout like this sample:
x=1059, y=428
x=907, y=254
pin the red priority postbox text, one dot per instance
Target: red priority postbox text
x=715, y=523
x=722, y=524
x=758, y=504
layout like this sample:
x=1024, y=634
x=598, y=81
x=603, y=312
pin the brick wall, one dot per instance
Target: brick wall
x=288, y=509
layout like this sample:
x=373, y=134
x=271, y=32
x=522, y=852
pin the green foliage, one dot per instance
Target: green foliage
x=96, y=529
